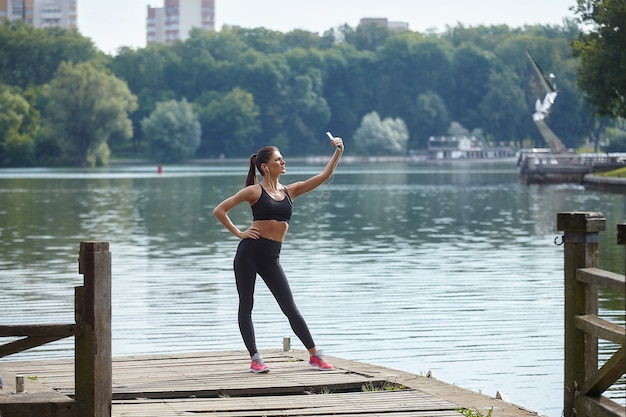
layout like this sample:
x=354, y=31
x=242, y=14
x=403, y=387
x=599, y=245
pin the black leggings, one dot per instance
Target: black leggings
x=261, y=256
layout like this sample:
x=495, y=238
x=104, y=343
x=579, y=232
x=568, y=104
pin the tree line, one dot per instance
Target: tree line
x=227, y=93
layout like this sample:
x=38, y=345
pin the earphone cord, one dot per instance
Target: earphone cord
x=324, y=194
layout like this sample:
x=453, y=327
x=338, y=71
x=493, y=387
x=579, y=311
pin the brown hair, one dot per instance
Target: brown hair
x=262, y=156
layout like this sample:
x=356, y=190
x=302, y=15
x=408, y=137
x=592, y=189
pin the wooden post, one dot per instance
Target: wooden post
x=621, y=236
x=621, y=240
x=93, y=373
x=581, y=247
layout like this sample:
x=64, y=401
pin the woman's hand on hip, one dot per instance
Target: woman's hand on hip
x=251, y=233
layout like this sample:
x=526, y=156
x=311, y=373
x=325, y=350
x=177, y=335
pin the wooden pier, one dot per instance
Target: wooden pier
x=553, y=168
x=93, y=384
x=219, y=384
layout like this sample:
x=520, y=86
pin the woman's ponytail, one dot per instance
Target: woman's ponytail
x=262, y=156
x=251, y=178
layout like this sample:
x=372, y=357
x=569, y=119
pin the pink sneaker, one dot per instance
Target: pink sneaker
x=318, y=361
x=258, y=366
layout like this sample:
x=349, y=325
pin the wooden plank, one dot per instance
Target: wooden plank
x=219, y=383
x=40, y=409
x=392, y=403
x=228, y=377
x=34, y=390
x=602, y=278
x=603, y=329
x=37, y=399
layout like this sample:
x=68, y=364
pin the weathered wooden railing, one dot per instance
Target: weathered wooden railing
x=92, y=334
x=584, y=381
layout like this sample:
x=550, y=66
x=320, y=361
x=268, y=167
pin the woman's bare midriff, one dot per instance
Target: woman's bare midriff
x=272, y=229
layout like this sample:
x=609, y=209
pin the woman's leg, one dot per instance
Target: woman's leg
x=245, y=277
x=271, y=271
x=276, y=281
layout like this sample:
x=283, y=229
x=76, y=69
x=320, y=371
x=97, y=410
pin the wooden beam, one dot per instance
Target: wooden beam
x=599, y=407
x=602, y=278
x=61, y=330
x=592, y=324
x=66, y=408
x=25, y=344
x=607, y=375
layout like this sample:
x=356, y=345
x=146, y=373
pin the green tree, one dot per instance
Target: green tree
x=456, y=129
x=19, y=150
x=147, y=72
x=229, y=124
x=173, y=131
x=86, y=105
x=310, y=112
x=616, y=136
x=430, y=118
x=348, y=88
x=504, y=108
x=370, y=36
x=265, y=41
x=31, y=56
x=13, y=108
x=266, y=77
x=303, y=85
x=303, y=39
x=602, y=54
x=19, y=121
x=471, y=69
x=400, y=77
x=381, y=137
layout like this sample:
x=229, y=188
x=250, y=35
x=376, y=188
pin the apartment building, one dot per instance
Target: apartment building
x=41, y=13
x=176, y=18
x=384, y=22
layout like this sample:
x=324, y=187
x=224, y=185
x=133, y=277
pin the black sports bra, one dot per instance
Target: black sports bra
x=266, y=208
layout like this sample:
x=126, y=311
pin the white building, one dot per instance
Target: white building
x=384, y=22
x=41, y=13
x=49, y=13
x=176, y=19
x=464, y=147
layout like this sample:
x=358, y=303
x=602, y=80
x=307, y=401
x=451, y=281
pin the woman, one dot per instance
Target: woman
x=259, y=249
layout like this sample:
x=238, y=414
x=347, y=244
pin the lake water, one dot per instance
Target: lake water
x=443, y=267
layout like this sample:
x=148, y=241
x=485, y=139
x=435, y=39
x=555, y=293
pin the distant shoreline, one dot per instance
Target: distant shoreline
x=602, y=183
x=318, y=159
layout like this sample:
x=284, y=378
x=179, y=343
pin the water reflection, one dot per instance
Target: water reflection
x=450, y=268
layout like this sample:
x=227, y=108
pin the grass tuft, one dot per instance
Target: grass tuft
x=473, y=413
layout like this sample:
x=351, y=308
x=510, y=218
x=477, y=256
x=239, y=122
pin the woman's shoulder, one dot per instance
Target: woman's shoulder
x=293, y=189
x=251, y=192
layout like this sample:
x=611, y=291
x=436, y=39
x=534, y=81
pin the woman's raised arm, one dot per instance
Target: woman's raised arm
x=302, y=187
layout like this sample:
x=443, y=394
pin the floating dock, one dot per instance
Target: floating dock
x=219, y=384
x=541, y=167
